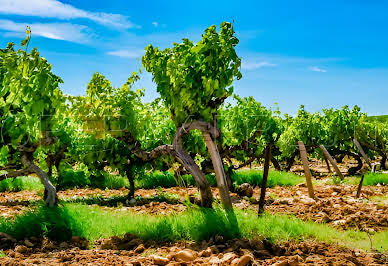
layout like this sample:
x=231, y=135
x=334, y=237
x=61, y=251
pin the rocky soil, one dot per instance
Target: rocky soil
x=130, y=250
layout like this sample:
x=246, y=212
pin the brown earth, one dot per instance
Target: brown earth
x=335, y=205
x=130, y=250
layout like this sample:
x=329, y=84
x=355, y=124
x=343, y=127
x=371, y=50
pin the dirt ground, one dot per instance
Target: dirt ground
x=335, y=205
x=130, y=250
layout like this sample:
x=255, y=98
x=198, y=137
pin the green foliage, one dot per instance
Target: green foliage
x=378, y=118
x=72, y=179
x=193, y=80
x=247, y=128
x=107, y=110
x=334, y=128
x=30, y=101
x=29, y=96
x=240, y=121
x=4, y=150
x=155, y=126
x=304, y=127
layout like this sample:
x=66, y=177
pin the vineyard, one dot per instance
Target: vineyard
x=199, y=175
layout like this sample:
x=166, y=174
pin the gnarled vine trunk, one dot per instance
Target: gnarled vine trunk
x=50, y=193
x=176, y=150
x=129, y=172
x=184, y=158
x=210, y=133
x=383, y=161
x=275, y=163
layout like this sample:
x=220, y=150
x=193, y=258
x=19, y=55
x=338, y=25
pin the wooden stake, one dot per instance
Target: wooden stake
x=219, y=171
x=362, y=152
x=327, y=164
x=265, y=178
x=360, y=186
x=307, y=173
x=333, y=163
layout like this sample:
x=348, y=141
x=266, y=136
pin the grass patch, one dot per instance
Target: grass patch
x=168, y=179
x=21, y=183
x=156, y=179
x=275, y=178
x=251, y=176
x=115, y=181
x=196, y=224
x=78, y=179
x=370, y=179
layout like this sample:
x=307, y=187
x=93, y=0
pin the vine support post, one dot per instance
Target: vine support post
x=307, y=173
x=219, y=171
x=265, y=177
x=328, y=165
x=362, y=152
x=360, y=186
x=328, y=157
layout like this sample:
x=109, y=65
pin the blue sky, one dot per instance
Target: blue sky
x=318, y=53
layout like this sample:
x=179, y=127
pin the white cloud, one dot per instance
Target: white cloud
x=136, y=53
x=250, y=65
x=58, y=31
x=155, y=24
x=318, y=69
x=58, y=10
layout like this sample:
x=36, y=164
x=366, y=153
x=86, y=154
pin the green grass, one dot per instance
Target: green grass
x=370, y=179
x=275, y=178
x=195, y=224
x=115, y=181
x=155, y=179
x=78, y=179
x=168, y=179
x=251, y=176
x=21, y=183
